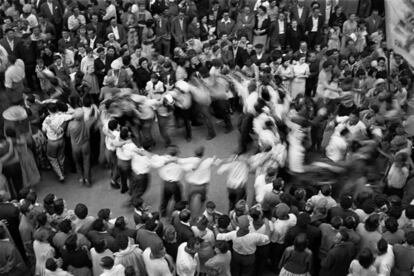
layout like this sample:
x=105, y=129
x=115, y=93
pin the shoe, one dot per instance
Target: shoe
x=62, y=179
x=228, y=130
x=209, y=137
x=87, y=183
x=115, y=185
x=196, y=124
x=123, y=191
x=188, y=139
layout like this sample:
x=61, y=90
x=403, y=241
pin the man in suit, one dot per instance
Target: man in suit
x=326, y=8
x=67, y=41
x=239, y=52
x=179, y=29
x=163, y=34
x=9, y=42
x=245, y=23
x=314, y=25
x=46, y=27
x=11, y=216
x=118, y=30
x=278, y=31
x=182, y=226
x=226, y=25
x=99, y=232
x=260, y=56
x=97, y=26
x=52, y=11
x=374, y=22
x=101, y=66
x=300, y=13
x=93, y=39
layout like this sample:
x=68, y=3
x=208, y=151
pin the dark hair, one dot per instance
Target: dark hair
x=100, y=246
x=41, y=219
x=59, y=206
x=3, y=233
x=409, y=212
x=107, y=262
x=122, y=241
x=120, y=223
x=185, y=215
x=104, y=214
x=112, y=124
x=365, y=258
x=81, y=211
x=222, y=246
x=372, y=223
x=210, y=205
x=391, y=224
x=337, y=222
x=65, y=226
x=350, y=222
x=300, y=243
x=382, y=246
x=48, y=203
x=71, y=243
x=31, y=196
x=191, y=243
x=326, y=189
x=124, y=133
x=346, y=200
x=223, y=221
x=368, y=206
x=98, y=225
x=409, y=237
x=51, y=264
x=151, y=224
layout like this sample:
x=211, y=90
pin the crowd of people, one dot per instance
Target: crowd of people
x=322, y=107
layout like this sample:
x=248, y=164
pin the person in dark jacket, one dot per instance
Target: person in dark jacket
x=182, y=227
x=339, y=257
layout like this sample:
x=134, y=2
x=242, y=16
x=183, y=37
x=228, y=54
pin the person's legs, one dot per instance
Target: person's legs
x=77, y=158
x=207, y=120
x=139, y=184
x=124, y=169
x=163, y=127
x=86, y=158
x=146, y=127
x=167, y=194
x=52, y=155
x=13, y=173
x=245, y=128
x=61, y=154
x=221, y=108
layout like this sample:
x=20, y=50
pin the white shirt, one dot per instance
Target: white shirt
x=314, y=24
x=281, y=227
x=52, y=125
x=14, y=73
x=397, y=176
x=126, y=151
x=50, y=5
x=201, y=173
x=261, y=188
x=330, y=201
x=384, y=263
x=171, y=168
x=116, y=270
x=110, y=12
x=140, y=164
x=251, y=100
x=336, y=148
x=238, y=173
x=244, y=245
x=281, y=26
x=186, y=264
x=155, y=266
x=300, y=11
x=115, y=32
x=109, y=141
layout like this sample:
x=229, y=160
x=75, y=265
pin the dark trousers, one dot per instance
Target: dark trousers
x=204, y=112
x=246, y=125
x=139, y=184
x=146, y=133
x=310, y=88
x=171, y=189
x=185, y=115
x=124, y=169
x=242, y=265
x=82, y=157
x=235, y=195
x=112, y=162
x=163, y=127
x=314, y=38
x=163, y=46
x=276, y=252
x=13, y=173
x=222, y=111
x=262, y=255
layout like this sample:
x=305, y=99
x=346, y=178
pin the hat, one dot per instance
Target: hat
x=108, y=80
x=398, y=142
x=243, y=222
x=379, y=81
x=27, y=8
x=282, y=210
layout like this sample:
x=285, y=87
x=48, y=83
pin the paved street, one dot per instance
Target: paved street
x=100, y=195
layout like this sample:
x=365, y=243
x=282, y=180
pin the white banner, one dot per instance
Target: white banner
x=399, y=21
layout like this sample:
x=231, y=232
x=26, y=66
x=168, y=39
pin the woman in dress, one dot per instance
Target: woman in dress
x=286, y=73
x=363, y=266
x=30, y=172
x=87, y=67
x=300, y=73
x=261, y=28
x=297, y=259
x=43, y=251
x=350, y=27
